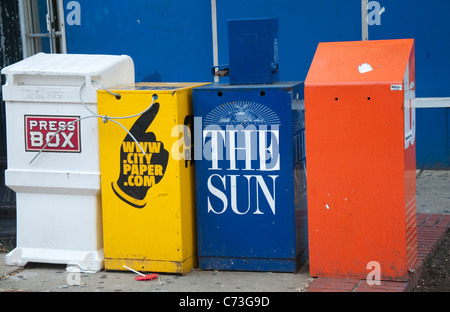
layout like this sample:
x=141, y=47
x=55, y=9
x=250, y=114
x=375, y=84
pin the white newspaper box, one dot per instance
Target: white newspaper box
x=58, y=193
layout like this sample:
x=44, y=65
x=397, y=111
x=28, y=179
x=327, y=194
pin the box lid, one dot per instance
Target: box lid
x=159, y=87
x=359, y=61
x=281, y=85
x=64, y=64
x=52, y=77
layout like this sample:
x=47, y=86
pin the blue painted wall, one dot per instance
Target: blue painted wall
x=428, y=23
x=168, y=40
x=171, y=40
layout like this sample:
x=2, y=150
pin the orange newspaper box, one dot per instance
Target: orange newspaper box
x=360, y=152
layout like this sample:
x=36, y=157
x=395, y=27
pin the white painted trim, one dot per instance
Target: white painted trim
x=31, y=46
x=214, y=36
x=61, y=18
x=22, y=30
x=432, y=102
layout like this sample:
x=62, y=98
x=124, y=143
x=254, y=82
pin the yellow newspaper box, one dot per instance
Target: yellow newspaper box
x=147, y=177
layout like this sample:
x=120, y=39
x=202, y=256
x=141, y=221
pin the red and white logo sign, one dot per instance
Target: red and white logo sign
x=40, y=129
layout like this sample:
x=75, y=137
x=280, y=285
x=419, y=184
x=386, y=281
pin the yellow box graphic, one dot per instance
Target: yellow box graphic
x=147, y=178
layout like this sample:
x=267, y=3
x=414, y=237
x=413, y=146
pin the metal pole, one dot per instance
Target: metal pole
x=364, y=21
x=214, y=36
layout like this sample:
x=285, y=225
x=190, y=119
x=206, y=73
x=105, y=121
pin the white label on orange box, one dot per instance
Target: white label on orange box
x=409, y=109
x=42, y=129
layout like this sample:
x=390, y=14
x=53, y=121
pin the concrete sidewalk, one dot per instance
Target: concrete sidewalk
x=433, y=203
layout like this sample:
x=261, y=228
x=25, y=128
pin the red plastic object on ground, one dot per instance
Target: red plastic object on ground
x=148, y=277
x=142, y=277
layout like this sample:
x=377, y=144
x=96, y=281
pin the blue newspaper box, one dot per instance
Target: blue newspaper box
x=250, y=176
x=253, y=50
